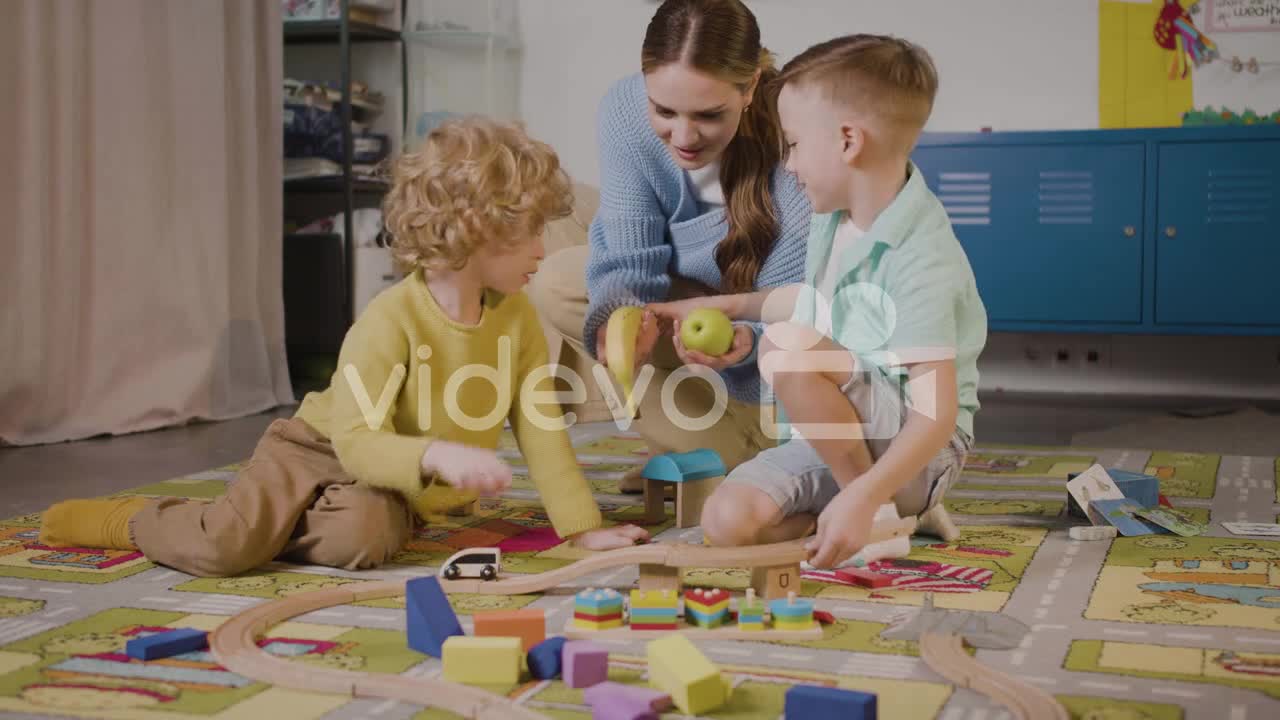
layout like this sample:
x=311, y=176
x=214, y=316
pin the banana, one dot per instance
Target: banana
x=620, y=349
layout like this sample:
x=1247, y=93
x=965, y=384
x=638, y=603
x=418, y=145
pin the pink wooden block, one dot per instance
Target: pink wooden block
x=608, y=693
x=622, y=711
x=584, y=663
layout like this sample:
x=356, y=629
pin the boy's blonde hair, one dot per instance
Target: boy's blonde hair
x=472, y=181
x=887, y=78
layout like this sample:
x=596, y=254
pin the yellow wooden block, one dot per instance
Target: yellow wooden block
x=783, y=624
x=751, y=625
x=678, y=668
x=483, y=660
x=654, y=599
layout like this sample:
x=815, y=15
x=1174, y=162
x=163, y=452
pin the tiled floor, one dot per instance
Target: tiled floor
x=35, y=477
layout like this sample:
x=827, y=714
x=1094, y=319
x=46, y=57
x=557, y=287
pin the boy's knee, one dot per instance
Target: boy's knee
x=735, y=514
x=376, y=527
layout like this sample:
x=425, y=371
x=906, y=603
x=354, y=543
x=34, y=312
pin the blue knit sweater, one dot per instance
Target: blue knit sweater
x=651, y=226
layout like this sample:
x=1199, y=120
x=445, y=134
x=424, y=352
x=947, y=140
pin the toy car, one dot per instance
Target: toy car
x=483, y=563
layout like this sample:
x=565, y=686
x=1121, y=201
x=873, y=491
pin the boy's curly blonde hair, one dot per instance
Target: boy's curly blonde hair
x=473, y=181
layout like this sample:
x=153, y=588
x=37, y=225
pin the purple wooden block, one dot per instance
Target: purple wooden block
x=607, y=693
x=584, y=663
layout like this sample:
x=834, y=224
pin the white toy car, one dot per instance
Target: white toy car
x=483, y=563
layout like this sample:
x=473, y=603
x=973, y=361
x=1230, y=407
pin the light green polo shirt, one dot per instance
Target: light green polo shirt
x=907, y=294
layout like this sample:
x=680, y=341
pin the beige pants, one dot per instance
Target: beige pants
x=293, y=501
x=560, y=294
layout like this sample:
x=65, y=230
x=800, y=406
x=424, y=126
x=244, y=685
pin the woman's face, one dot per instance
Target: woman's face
x=694, y=113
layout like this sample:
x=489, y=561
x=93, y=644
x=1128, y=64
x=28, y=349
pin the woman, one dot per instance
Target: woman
x=694, y=200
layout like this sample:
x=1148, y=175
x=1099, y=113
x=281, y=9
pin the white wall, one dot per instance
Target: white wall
x=1008, y=64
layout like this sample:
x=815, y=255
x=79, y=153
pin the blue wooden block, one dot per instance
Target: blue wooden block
x=167, y=644
x=678, y=467
x=812, y=702
x=544, y=658
x=428, y=616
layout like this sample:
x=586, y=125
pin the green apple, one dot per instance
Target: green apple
x=707, y=330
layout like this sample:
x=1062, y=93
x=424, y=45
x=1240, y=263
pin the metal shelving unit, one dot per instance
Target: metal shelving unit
x=342, y=32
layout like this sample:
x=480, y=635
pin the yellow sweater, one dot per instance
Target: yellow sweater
x=420, y=378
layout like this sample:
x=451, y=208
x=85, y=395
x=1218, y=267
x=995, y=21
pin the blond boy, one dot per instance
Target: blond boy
x=404, y=431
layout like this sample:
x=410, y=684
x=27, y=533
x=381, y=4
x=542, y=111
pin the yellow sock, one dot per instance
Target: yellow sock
x=91, y=523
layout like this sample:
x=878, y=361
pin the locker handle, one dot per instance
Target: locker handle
x=1130, y=231
x=1170, y=231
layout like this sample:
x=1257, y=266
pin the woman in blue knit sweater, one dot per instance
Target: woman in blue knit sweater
x=694, y=200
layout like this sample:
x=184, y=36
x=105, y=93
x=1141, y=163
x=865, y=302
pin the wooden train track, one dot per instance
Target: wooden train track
x=235, y=642
x=945, y=654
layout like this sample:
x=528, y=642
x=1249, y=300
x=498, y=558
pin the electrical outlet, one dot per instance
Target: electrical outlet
x=1094, y=355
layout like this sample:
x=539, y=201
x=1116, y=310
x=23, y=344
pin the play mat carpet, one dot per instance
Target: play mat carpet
x=1158, y=627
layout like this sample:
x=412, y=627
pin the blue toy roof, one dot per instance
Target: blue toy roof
x=678, y=467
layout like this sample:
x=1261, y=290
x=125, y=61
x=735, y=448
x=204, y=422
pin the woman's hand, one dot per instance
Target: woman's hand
x=645, y=340
x=743, y=341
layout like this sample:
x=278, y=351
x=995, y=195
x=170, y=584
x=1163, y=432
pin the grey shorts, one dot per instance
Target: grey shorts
x=797, y=479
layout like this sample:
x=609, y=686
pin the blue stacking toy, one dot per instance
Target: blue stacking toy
x=678, y=467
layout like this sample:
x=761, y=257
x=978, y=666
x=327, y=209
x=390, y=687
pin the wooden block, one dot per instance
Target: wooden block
x=661, y=577
x=482, y=660
x=167, y=644
x=678, y=668
x=530, y=625
x=775, y=582
x=608, y=693
x=584, y=663
x=691, y=495
x=429, y=618
x=544, y=659
x=1090, y=532
x=827, y=703
x=655, y=504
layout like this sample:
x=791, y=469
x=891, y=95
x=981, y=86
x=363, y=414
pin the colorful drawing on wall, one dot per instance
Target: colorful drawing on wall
x=1175, y=30
x=1210, y=116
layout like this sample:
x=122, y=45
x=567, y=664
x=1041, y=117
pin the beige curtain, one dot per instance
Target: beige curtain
x=140, y=215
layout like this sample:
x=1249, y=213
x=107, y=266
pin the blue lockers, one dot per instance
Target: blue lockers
x=1037, y=221
x=1071, y=230
x=1218, y=235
